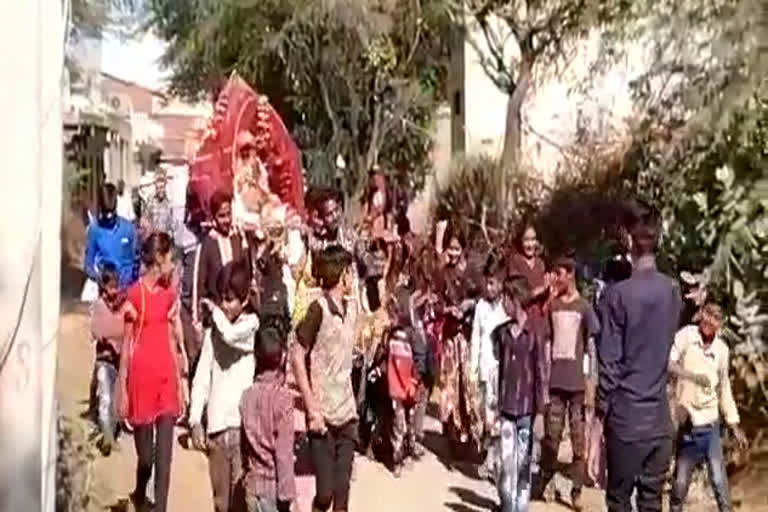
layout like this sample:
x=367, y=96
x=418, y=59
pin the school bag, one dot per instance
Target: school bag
x=400, y=370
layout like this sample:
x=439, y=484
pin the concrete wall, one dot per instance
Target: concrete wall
x=419, y=209
x=30, y=199
x=555, y=108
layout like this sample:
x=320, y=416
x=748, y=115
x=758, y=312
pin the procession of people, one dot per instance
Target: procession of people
x=286, y=336
x=220, y=331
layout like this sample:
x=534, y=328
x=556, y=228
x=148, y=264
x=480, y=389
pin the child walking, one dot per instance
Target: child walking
x=700, y=361
x=521, y=351
x=151, y=390
x=574, y=325
x=327, y=336
x=484, y=368
x=403, y=385
x=108, y=323
x=268, y=427
x=224, y=372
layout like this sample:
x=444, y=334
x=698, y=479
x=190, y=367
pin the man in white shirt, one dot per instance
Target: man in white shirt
x=700, y=359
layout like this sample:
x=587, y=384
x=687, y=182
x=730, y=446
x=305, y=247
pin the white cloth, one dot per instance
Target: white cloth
x=125, y=207
x=703, y=404
x=487, y=317
x=224, y=373
x=90, y=291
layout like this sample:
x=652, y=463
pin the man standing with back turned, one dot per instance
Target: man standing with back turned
x=640, y=317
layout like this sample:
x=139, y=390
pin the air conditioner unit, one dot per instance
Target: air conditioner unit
x=120, y=104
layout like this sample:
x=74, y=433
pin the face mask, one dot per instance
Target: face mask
x=107, y=219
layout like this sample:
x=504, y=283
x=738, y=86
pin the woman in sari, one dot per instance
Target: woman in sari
x=456, y=394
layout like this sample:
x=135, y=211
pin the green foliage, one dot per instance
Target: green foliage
x=91, y=19
x=714, y=206
x=701, y=60
x=353, y=79
x=469, y=202
x=712, y=191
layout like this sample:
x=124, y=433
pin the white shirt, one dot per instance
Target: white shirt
x=488, y=316
x=703, y=404
x=125, y=207
x=224, y=373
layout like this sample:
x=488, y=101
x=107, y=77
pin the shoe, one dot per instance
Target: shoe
x=418, y=451
x=576, y=502
x=538, y=493
x=139, y=505
x=397, y=472
x=105, y=447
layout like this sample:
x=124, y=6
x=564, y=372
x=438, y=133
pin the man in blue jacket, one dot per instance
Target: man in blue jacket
x=111, y=239
x=640, y=316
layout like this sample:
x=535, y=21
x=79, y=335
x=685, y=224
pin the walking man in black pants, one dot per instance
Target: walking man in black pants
x=640, y=316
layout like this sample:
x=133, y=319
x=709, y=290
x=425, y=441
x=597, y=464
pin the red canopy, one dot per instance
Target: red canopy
x=238, y=108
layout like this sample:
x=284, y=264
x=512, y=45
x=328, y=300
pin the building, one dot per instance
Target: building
x=117, y=129
x=558, y=109
x=173, y=126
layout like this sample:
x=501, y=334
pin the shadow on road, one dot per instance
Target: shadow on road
x=454, y=458
x=471, y=497
x=460, y=507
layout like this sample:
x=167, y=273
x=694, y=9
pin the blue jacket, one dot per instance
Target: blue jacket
x=117, y=246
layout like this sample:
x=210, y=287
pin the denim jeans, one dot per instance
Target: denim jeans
x=514, y=481
x=695, y=445
x=106, y=377
x=490, y=407
x=259, y=504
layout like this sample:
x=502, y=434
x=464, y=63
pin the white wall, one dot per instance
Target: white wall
x=30, y=209
x=485, y=105
x=551, y=110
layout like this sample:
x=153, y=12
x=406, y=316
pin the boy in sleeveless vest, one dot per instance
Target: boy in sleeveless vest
x=327, y=335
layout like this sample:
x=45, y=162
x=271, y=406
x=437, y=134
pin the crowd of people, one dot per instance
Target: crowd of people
x=332, y=339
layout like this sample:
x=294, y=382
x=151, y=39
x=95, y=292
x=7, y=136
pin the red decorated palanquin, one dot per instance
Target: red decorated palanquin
x=239, y=107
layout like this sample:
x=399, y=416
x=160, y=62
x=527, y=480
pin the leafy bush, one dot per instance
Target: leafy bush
x=712, y=190
x=469, y=201
x=714, y=211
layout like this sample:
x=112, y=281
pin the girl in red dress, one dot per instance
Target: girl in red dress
x=150, y=379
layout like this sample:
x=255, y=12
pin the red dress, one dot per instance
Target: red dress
x=152, y=376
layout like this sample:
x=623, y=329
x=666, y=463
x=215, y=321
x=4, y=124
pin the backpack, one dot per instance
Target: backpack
x=400, y=371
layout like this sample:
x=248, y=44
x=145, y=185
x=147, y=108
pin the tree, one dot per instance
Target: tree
x=703, y=60
x=519, y=36
x=356, y=79
x=90, y=19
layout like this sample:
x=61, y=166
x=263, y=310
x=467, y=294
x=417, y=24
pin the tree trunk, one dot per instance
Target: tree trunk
x=510, y=156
